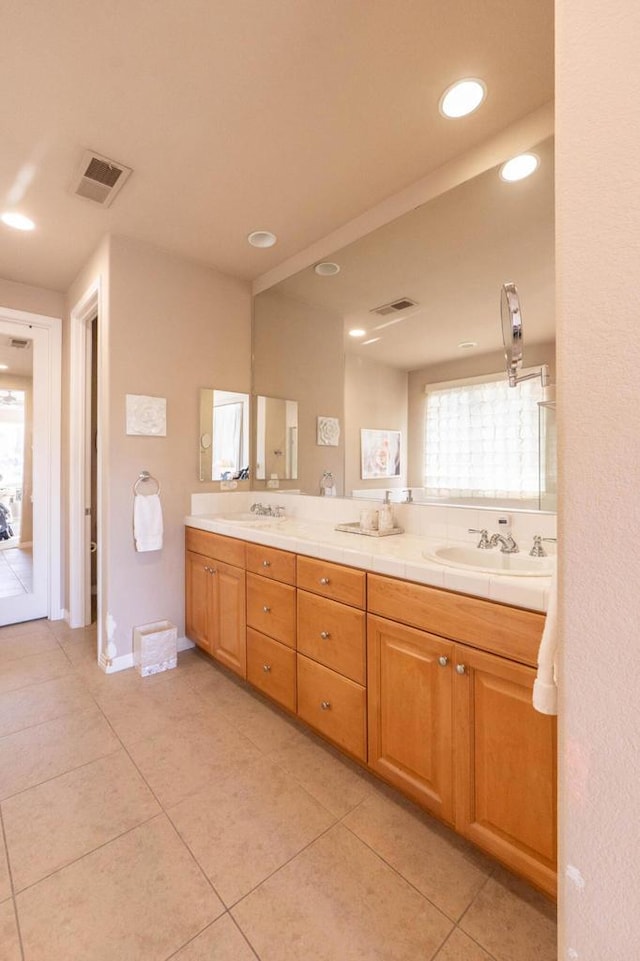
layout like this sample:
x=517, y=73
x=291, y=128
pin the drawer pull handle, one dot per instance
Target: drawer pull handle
x=266, y=668
x=443, y=660
x=325, y=635
x=325, y=705
x=210, y=570
x=461, y=668
x=266, y=609
x=266, y=563
x=324, y=580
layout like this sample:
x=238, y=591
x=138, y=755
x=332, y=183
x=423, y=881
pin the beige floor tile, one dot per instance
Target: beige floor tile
x=460, y=947
x=222, y=941
x=247, y=826
x=26, y=644
x=511, y=920
x=336, y=901
x=32, y=670
x=334, y=780
x=138, y=898
x=26, y=627
x=42, y=702
x=9, y=941
x=444, y=867
x=48, y=750
x=5, y=881
x=262, y=722
x=59, y=821
x=196, y=753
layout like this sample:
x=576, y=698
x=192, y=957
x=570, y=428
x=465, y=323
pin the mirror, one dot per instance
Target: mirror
x=224, y=435
x=423, y=289
x=276, y=439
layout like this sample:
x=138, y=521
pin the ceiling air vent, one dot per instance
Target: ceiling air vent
x=100, y=179
x=17, y=342
x=393, y=307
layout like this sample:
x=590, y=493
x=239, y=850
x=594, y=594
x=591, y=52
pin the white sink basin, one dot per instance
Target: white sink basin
x=492, y=561
x=241, y=517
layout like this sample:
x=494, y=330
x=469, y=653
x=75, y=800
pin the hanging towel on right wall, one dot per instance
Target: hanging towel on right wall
x=545, y=688
x=147, y=522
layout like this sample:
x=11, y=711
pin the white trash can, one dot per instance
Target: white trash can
x=155, y=647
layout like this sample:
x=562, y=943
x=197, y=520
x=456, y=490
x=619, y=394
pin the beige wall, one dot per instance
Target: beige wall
x=598, y=234
x=470, y=366
x=298, y=351
x=38, y=300
x=375, y=396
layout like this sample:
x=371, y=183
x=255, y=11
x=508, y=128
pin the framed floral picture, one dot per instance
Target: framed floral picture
x=379, y=453
x=328, y=432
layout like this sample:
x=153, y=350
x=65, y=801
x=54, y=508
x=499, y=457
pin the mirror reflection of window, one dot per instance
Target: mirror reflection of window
x=276, y=439
x=227, y=440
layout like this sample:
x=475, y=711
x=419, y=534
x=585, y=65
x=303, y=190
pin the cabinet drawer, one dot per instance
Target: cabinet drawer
x=333, y=634
x=273, y=563
x=226, y=549
x=508, y=631
x=333, y=705
x=271, y=667
x=271, y=608
x=339, y=583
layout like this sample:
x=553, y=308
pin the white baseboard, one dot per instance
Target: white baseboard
x=125, y=661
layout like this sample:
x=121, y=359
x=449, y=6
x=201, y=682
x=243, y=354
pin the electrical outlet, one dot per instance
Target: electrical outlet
x=273, y=483
x=228, y=485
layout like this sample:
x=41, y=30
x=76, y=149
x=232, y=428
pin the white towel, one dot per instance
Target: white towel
x=147, y=522
x=545, y=688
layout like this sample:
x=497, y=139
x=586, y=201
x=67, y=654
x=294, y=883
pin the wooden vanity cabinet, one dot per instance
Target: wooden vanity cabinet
x=215, y=597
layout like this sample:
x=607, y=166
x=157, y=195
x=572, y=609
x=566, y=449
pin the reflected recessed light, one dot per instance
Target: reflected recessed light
x=462, y=97
x=4, y=367
x=519, y=167
x=357, y=332
x=468, y=344
x=327, y=269
x=262, y=238
x=17, y=221
x=373, y=340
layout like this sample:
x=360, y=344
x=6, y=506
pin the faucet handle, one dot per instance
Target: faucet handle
x=484, y=543
x=538, y=550
x=551, y=540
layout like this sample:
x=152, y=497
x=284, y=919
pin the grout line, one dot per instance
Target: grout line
x=251, y=947
x=11, y=884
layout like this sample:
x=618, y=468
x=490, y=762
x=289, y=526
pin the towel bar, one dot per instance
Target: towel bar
x=144, y=477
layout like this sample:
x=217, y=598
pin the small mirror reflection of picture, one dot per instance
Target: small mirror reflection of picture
x=380, y=453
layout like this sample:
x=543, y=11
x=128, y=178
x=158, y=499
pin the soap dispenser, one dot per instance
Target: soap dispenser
x=386, y=520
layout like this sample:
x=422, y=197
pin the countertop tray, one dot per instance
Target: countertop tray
x=354, y=528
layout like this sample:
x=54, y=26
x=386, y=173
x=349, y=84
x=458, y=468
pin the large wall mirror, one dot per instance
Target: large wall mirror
x=425, y=292
x=224, y=435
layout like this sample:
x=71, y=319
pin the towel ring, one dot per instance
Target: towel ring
x=144, y=477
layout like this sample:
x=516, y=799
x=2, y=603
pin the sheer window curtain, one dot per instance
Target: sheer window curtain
x=227, y=439
x=481, y=439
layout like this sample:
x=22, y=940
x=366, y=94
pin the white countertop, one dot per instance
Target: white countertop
x=399, y=555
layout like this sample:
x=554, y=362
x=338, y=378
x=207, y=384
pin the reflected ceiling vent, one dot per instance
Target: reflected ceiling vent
x=19, y=343
x=394, y=307
x=100, y=179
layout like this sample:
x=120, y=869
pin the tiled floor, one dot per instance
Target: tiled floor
x=182, y=817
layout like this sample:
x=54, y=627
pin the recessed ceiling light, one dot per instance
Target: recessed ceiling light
x=17, y=221
x=462, y=97
x=357, y=332
x=327, y=269
x=468, y=344
x=519, y=167
x=262, y=238
x=373, y=340
x=4, y=367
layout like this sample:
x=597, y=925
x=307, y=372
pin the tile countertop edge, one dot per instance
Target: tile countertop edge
x=402, y=559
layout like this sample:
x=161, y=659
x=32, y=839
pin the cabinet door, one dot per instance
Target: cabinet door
x=228, y=631
x=410, y=697
x=198, y=600
x=506, y=765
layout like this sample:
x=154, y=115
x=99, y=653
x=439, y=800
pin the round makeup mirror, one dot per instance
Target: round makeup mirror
x=511, y=316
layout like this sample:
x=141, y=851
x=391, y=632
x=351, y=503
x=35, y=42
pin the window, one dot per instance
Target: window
x=481, y=438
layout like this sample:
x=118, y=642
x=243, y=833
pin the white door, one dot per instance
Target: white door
x=29, y=450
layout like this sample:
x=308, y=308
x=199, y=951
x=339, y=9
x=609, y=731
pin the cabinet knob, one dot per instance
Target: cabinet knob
x=266, y=563
x=324, y=580
x=266, y=668
x=325, y=635
x=461, y=668
x=325, y=705
x=443, y=660
x=266, y=609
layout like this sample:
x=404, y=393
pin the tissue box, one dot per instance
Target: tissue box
x=155, y=647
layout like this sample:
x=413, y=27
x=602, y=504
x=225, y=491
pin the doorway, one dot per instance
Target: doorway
x=30, y=360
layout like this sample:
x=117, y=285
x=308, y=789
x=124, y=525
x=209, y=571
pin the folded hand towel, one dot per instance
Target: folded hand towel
x=545, y=690
x=147, y=522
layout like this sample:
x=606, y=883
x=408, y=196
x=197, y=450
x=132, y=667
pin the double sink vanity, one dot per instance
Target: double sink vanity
x=409, y=662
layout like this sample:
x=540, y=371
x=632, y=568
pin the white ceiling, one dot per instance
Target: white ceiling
x=293, y=116
x=451, y=257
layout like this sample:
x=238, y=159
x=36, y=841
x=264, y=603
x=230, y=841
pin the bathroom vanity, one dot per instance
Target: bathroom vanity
x=430, y=689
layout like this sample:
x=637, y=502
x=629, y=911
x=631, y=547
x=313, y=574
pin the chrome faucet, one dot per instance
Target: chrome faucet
x=267, y=510
x=507, y=543
x=484, y=544
x=387, y=497
x=538, y=550
x=408, y=495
